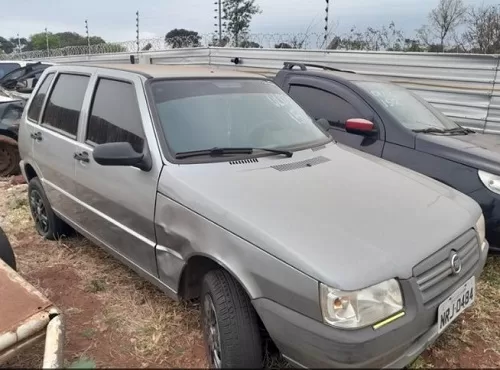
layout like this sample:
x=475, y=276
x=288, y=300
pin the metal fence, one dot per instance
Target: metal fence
x=255, y=41
x=463, y=86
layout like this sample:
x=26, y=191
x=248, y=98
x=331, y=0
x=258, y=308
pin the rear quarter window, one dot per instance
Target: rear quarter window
x=37, y=102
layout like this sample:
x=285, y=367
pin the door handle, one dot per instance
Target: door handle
x=36, y=136
x=83, y=156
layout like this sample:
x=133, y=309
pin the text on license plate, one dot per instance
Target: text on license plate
x=462, y=298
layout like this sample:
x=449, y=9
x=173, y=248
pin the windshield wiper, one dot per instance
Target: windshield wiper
x=437, y=130
x=430, y=130
x=216, y=152
x=461, y=130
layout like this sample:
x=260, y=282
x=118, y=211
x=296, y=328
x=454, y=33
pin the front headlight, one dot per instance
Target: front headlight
x=357, y=309
x=481, y=231
x=492, y=182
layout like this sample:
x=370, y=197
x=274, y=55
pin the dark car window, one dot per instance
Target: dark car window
x=7, y=68
x=36, y=104
x=65, y=102
x=408, y=109
x=115, y=115
x=321, y=104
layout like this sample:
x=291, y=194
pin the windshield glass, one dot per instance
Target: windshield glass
x=208, y=113
x=7, y=67
x=408, y=109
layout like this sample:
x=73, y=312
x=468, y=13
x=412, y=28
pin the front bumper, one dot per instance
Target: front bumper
x=312, y=344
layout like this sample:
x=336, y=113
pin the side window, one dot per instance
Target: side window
x=36, y=105
x=321, y=104
x=65, y=103
x=115, y=115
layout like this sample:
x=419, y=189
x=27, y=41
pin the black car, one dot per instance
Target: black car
x=391, y=122
x=11, y=110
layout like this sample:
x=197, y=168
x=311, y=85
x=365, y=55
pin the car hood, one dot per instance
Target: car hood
x=343, y=217
x=481, y=151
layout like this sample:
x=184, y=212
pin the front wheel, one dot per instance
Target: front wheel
x=230, y=323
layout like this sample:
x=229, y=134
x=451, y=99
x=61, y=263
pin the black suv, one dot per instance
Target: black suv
x=391, y=122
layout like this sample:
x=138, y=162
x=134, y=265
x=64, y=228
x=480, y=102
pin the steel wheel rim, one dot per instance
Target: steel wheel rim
x=39, y=212
x=212, y=334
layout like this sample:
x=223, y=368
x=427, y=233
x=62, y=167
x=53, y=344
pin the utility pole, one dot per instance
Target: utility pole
x=137, y=30
x=218, y=16
x=18, y=43
x=87, y=32
x=47, y=41
x=327, y=9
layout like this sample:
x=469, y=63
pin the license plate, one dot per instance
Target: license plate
x=462, y=298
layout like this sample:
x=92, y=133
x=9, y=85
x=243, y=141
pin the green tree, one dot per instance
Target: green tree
x=249, y=44
x=39, y=41
x=6, y=46
x=282, y=45
x=74, y=39
x=238, y=14
x=182, y=38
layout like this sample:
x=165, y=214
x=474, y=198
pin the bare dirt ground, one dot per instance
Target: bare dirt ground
x=116, y=319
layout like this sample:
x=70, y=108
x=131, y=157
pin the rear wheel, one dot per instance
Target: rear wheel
x=230, y=323
x=6, y=252
x=47, y=223
x=9, y=157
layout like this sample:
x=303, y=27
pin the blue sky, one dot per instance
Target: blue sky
x=114, y=20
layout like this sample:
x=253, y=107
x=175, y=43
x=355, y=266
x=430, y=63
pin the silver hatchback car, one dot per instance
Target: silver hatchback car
x=215, y=185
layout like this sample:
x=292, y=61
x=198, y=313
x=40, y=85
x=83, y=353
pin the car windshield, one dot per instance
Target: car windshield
x=7, y=68
x=410, y=110
x=203, y=114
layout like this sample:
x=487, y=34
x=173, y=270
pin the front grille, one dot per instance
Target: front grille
x=434, y=275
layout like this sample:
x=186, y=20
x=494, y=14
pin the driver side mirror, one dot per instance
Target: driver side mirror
x=120, y=154
x=360, y=126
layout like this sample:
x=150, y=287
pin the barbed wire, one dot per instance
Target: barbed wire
x=260, y=40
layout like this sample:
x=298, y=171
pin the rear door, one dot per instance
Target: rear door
x=118, y=202
x=54, y=137
x=337, y=103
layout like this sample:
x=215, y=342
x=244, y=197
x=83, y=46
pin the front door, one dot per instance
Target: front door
x=118, y=202
x=337, y=103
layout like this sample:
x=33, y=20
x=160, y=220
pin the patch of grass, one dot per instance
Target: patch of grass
x=96, y=285
x=17, y=203
x=88, y=333
x=83, y=363
x=419, y=363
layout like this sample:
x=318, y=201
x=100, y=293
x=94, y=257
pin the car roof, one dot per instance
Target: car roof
x=168, y=71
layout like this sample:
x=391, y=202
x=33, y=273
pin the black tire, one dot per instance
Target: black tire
x=6, y=251
x=47, y=223
x=9, y=157
x=239, y=342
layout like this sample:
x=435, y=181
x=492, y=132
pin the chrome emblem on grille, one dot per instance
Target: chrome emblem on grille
x=456, y=263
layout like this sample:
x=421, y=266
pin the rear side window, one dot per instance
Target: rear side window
x=65, y=102
x=7, y=68
x=36, y=105
x=321, y=104
x=115, y=115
